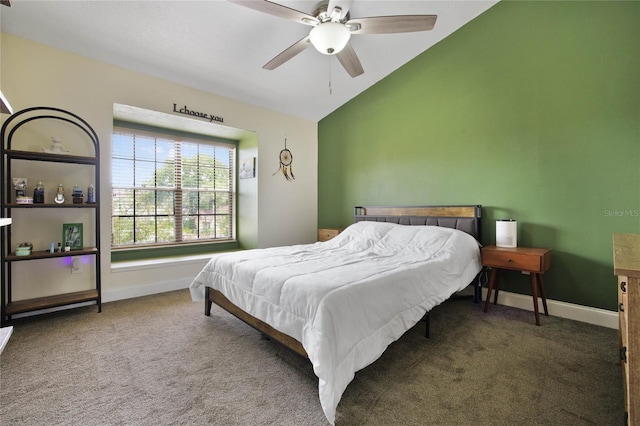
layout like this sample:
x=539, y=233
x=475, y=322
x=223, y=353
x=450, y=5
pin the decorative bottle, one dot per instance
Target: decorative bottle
x=91, y=195
x=38, y=193
x=77, y=195
x=59, y=199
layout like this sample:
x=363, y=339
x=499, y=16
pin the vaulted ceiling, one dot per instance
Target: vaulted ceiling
x=220, y=47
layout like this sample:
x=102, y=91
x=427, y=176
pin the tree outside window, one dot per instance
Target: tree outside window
x=170, y=190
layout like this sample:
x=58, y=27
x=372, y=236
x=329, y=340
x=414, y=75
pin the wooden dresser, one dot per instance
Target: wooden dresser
x=626, y=263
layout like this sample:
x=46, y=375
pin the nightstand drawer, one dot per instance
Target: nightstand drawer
x=325, y=234
x=512, y=260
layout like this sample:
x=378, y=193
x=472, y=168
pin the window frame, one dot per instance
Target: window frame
x=174, y=248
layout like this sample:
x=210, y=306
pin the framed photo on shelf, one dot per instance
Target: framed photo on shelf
x=72, y=236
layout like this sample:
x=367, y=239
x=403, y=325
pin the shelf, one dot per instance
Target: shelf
x=51, y=205
x=45, y=156
x=20, y=156
x=48, y=255
x=29, y=305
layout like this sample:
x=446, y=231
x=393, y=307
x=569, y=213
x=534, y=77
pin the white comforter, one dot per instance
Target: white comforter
x=348, y=298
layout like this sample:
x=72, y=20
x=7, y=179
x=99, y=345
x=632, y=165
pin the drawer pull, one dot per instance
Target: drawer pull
x=509, y=260
x=623, y=286
x=621, y=307
x=623, y=354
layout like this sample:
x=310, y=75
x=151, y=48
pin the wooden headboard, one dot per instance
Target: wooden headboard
x=464, y=218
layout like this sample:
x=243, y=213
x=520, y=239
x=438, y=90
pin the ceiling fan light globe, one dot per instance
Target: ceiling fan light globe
x=329, y=38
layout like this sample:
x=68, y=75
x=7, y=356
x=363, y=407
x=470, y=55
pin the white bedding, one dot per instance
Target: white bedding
x=348, y=298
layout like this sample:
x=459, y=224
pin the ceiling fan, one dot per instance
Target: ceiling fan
x=333, y=27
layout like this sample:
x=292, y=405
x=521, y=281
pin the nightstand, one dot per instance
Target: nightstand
x=325, y=234
x=536, y=261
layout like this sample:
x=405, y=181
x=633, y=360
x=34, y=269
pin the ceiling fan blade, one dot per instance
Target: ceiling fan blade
x=288, y=53
x=350, y=61
x=278, y=10
x=344, y=5
x=392, y=24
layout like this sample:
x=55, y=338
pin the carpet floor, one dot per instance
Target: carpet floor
x=157, y=360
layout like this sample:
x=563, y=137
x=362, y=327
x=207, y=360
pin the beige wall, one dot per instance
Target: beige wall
x=275, y=211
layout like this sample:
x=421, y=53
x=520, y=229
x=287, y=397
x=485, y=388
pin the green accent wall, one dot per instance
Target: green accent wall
x=531, y=110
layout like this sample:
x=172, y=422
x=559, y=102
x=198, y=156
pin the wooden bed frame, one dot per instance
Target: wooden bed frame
x=465, y=218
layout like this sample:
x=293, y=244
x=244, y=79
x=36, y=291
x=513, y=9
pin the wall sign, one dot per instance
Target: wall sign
x=186, y=111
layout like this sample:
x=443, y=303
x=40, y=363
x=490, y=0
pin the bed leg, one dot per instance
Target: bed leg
x=207, y=302
x=426, y=331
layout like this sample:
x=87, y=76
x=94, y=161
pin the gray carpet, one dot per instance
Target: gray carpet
x=158, y=360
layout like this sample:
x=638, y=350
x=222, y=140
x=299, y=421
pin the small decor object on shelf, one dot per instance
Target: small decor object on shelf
x=59, y=199
x=56, y=147
x=91, y=195
x=77, y=195
x=286, y=158
x=24, y=200
x=20, y=185
x=38, y=193
x=72, y=235
x=24, y=249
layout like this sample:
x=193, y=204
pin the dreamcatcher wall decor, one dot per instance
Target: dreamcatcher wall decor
x=286, y=158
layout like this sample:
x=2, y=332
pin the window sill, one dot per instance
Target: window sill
x=166, y=253
x=136, y=265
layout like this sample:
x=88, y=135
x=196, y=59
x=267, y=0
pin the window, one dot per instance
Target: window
x=170, y=188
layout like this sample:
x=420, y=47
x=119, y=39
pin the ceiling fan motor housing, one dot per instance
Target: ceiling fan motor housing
x=321, y=12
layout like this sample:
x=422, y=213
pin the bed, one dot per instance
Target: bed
x=340, y=303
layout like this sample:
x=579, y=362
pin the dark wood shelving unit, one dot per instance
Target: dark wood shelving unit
x=47, y=302
x=47, y=156
x=9, y=306
x=48, y=255
x=51, y=205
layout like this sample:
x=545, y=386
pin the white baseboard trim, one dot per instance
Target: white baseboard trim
x=595, y=316
x=145, y=290
x=556, y=308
